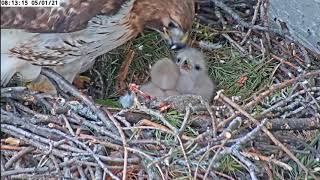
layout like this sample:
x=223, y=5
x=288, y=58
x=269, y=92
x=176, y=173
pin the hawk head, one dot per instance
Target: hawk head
x=171, y=18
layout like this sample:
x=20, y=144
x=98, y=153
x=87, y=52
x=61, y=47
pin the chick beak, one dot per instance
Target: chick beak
x=186, y=66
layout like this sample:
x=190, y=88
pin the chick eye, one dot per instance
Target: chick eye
x=197, y=67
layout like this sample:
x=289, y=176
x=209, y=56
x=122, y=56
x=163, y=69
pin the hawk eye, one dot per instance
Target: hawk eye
x=197, y=67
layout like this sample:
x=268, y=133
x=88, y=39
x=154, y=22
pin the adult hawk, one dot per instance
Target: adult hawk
x=68, y=38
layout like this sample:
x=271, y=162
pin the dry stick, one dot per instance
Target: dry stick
x=271, y=90
x=25, y=170
x=26, y=136
x=253, y=21
x=224, y=175
x=182, y=128
x=34, y=170
x=159, y=116
x=286, y=100
x=54, y=160
x=284, y=84
x=148, y=157
x=68, y=125
x=281, y=60
x=100, y=129
x=185, y=155
x=212, y=116
x=12, y=89
x=81, y=173
x=237, y=145
x=266, y=131
x=251, y=167
x=239, y=142
x=235, y=44
x=185, y=120
x=124, y=141
x=311, y=123
x=265, y=21
x=10, y=148
x=167, y=131
x=211, y=162
x=311, y=96
x=18, y=156
x=268, y=159
x=96, y=157
x=206, y=151
x=65, y=85
x=91, y=172
x=235, y=16
x=104, y=143
x=162, y=158
x=307, y=59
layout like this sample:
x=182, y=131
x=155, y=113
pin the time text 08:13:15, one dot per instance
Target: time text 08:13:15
x=30, y=3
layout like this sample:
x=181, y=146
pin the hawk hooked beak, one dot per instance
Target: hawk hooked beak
x=175, y=37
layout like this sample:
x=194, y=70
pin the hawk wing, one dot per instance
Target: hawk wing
x=54, y=33
x=71, y=15
x=55, y=36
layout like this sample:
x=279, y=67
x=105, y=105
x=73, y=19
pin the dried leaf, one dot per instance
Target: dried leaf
x=242, y=81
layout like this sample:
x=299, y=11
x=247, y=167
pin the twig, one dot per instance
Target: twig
x=12, y=89
x=124, y=141
x=272, y=90
x=96, y=157
x=149, y=157
x=268, y=159
x=68, y=125
x=26, y=170
x=212, y=116
x=82, y=175
x=209, y=46
x=252, y=168
x=158, y=116
x=267, y=132
x=184, y=155
x=56, y=165
x=235, y=16
x=18, y=156
x=307, y=59
x=185, y=120
x=277, y=124
x=235, y=44
x=253, y=21
x=63, y=84
x=211, y=162
x=265, y=21
x=287, y=100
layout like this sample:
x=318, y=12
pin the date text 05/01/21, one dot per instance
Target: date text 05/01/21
x=30, y=3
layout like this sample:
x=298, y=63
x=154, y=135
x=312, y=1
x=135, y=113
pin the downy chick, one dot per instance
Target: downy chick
x=164, y=76
x=193, y=77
